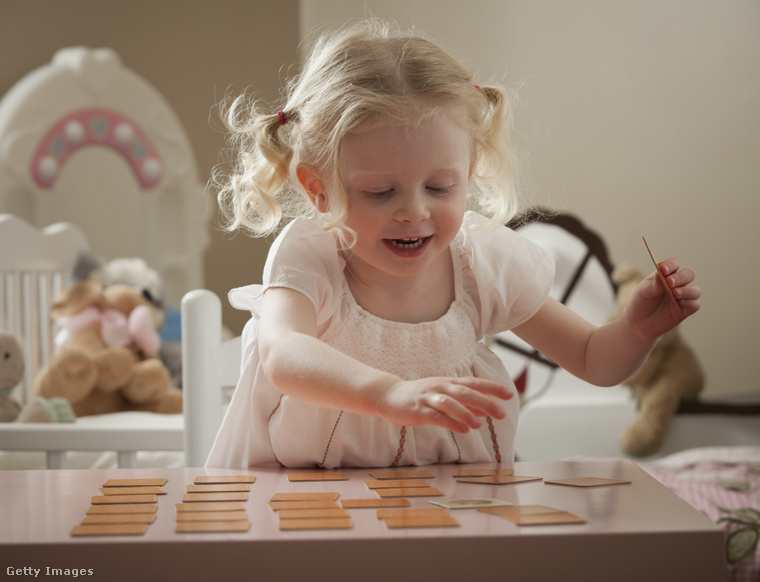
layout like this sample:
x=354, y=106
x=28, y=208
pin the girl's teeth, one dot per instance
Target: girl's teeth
x=407, y=243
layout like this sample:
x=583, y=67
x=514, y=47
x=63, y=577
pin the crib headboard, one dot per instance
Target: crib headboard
x=85, y=140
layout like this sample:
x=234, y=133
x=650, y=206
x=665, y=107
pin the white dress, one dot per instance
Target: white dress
x=501, y=280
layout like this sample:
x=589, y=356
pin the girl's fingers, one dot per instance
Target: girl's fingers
x=489, y=387
x=467, y=402
x=458, y=414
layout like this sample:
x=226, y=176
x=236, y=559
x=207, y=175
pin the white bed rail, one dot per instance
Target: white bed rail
x=58, y=439
x=210, y=365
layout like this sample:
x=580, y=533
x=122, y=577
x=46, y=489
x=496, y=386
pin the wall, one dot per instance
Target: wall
x=642, y=118
x=192, y=51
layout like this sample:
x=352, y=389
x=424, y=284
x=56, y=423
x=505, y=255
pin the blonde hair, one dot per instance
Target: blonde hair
x=366, y=74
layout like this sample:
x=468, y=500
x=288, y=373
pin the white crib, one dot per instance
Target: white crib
x=90, y=146
x=211, y=373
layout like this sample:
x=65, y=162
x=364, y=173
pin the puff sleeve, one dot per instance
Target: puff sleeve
x=304, y=258
x=506, y=277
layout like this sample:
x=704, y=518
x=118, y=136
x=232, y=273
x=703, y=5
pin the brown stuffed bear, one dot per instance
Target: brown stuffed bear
x=671, y=372
x=105, y=355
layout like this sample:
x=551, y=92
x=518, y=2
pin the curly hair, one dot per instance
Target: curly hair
x=366, y=74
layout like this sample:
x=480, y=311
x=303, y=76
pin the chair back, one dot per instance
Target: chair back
x=210, y=366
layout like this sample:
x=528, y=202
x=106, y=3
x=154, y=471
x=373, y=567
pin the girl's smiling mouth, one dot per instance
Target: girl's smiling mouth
x=407, y=246
x=408, y=243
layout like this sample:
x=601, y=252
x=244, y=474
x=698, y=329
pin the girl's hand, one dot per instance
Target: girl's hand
x=651, y=312
x=453, y=403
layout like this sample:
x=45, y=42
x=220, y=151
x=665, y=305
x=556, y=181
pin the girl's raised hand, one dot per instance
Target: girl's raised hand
x=453, y=403
x=651, y=312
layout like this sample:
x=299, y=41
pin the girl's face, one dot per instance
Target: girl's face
x=407, y=190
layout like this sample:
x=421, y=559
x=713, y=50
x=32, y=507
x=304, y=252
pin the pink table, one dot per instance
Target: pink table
x=640, y=531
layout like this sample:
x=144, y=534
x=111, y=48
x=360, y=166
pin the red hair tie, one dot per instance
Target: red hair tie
x=282, y=117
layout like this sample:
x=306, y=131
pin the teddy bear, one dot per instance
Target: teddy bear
x=105, y=353
x=136, y=272
x=672, y=372
x=12, y=368
x=11, y=373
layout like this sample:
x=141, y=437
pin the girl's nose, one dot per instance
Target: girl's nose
x=413, y=207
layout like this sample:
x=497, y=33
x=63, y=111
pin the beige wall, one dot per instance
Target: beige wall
x=640, y=117
x=192, y=51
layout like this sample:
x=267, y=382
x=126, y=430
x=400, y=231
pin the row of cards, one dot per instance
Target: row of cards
x=216, y=503
x=125, y=507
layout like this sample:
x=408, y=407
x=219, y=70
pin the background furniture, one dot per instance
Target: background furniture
x=564, y=417
x=90, y=147
x=85, y=140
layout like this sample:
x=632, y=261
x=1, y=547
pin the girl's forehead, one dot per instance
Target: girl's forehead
x=436, y=142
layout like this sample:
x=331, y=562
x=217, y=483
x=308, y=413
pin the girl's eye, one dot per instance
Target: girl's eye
x=439, y=189
x=380, y=194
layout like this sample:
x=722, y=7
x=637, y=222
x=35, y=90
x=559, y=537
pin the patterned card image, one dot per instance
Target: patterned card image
x=470, y=503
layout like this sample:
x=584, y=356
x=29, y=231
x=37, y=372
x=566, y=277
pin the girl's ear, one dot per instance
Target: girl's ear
x=312, y=183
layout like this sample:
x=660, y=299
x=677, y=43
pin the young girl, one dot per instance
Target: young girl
x=364, y=347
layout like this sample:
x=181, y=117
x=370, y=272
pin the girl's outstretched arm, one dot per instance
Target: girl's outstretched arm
x=303, y=367
x=609, y=354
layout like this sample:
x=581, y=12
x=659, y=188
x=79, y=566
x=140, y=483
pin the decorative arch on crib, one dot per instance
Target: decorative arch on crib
x=59, y=126
x=93, y=126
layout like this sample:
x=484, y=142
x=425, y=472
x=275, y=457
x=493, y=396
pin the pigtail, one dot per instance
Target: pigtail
x=495, y=172
x=258, y=192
